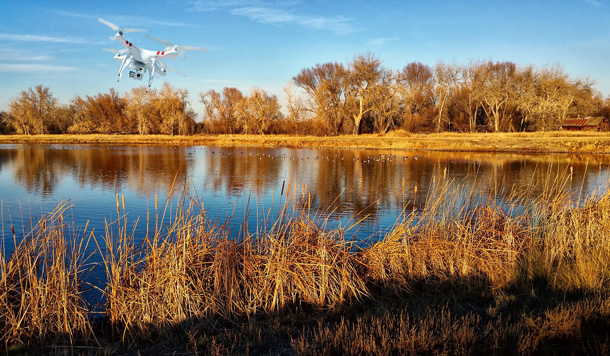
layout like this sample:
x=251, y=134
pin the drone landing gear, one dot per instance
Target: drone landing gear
x=123, y=66
x=151, y=75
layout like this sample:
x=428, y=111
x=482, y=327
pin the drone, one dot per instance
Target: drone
x=142, y=60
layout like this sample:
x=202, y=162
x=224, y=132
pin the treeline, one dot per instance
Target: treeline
x=365, y=96
x=164, y=111
x=362, y=96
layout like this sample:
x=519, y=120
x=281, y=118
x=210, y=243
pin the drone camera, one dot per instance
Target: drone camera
x=135, y=75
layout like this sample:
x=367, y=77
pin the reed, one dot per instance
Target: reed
x=190, y=269
x=536, y=272
x=461, y=234
x=42, y=283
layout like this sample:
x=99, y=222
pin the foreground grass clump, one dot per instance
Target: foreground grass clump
x=463, y=274
x=190, y=269
x=41, y=285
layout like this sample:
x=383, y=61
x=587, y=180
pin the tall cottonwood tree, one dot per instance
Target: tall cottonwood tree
x=325, y=87
x=446, y=76
x=498, y=90
x=469, y=93
x=365, y=82
x=388, y=112
x=415, y=84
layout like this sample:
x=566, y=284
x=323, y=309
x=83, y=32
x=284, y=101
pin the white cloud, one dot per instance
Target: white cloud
x=265, y=15
x=268, y=15
x=382, y=41
x=20, y=55
x=338, y=25
x=24, y=68
x=123, y=21
x=40, y=38
x=274, y=13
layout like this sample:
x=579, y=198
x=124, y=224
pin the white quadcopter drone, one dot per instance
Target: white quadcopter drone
x=141, y=60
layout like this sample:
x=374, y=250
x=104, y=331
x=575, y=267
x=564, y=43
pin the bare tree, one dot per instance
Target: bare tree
x=415, y=91
x=325, y=86
x=294, y=106
x=469, y=93
x=365, y=81
x=259, y=112
x=5, y=123
x=140, y=110
x=222, y=110
x=176, y=116
x=33, y=111
x=417, y=87
x=107, y=113
x=446, y=76
x=498, y=89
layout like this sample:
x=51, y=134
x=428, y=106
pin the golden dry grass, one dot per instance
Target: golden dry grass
x=41, y=285
x=468, y=274
x=534, y=142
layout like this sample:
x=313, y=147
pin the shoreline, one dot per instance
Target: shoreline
x=535, y=142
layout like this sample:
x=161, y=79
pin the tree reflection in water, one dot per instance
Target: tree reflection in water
x=352, y=184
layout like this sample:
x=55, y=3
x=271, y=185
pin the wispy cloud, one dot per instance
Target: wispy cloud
x=593, y=3
x=21, y=55
x=265, y=15
x=40, y=38
x=382, y=41
x=214, y=5
x=126, y=21
x=10, y=67
x=276, y=13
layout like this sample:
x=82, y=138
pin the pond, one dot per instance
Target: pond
x=371, y=187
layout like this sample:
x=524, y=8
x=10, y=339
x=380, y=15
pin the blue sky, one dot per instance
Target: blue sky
x=265, y=43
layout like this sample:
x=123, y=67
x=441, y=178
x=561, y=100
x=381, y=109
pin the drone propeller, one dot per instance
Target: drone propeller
x=119, y=55
x=180, y=49
x=165, y=67
x=115, y=51
x=118, y=29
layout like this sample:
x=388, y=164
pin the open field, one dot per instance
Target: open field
x=465, y=275
x=535, y=142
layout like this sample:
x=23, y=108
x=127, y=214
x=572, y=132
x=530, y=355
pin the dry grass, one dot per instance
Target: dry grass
x=190, y=269
x=41, y=285
x=568, y=328
x=465, y=275
x=538, y=142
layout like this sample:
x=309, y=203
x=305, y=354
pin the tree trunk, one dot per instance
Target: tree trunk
x=358, y=118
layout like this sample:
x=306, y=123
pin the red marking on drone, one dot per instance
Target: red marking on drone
x=163, y=53
x=158, y=53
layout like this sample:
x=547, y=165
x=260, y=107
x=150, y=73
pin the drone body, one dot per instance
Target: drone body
x=143, y=60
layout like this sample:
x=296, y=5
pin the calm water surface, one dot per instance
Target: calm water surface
x=350, y=185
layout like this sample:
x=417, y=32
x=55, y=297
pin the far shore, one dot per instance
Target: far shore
x=532, y=142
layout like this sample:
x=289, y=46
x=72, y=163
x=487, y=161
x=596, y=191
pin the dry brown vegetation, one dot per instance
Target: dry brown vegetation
x=465, y=275
x=540, y=142
x=41, y=286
